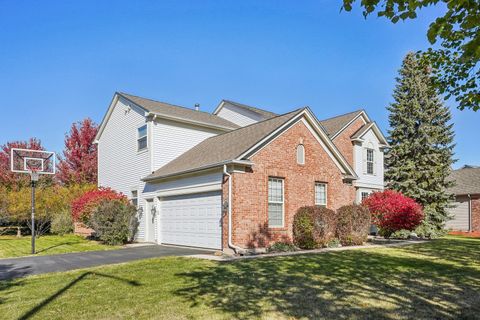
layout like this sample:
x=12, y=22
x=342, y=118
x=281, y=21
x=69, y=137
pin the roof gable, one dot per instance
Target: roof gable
x=376, y=130
x=334, y=126
x=264, y=113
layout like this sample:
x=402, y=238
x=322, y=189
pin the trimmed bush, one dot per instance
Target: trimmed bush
x=84, y=206
x=282, y=247
x=313, y=227
x=353, y=224
x=392, y=211
x=114, y=221
x=62, y=223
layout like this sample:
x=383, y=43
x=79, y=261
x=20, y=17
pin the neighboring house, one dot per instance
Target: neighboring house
x=465, y=212
x=233, y=179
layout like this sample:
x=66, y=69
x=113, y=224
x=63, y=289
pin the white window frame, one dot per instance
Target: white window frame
x=142, y=137
x=370, y=161
x=301, y=148
x=361, y=195
x=276, y=202
x=326, y=193
x=132, y=198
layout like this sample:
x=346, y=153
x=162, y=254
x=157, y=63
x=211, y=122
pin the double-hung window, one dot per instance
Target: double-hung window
x=142, y=138
x=365, y=195
x=134, y=198
x=370, y=161
x=320, y=194
x=275, y=202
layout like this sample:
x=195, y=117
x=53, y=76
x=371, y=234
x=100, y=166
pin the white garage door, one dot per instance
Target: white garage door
x=192, y=220
x=460, y=218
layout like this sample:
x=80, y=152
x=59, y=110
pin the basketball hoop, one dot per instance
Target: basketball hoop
x=35, y=163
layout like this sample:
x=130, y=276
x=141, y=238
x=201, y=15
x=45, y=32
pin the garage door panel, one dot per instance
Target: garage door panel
x=193, y=220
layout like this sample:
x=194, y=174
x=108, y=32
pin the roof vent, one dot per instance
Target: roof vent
x=197, y=106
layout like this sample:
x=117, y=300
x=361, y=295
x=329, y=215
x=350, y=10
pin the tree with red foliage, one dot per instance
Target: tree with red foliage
x=392, y=211
x=12, y=180
x=79, y=162
x=83, y=206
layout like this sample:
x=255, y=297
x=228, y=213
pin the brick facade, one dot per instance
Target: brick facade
x=278, y=159
x=476, y=213
x=344, y=141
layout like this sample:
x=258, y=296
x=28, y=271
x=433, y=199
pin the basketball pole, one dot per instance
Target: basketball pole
x=34, y=182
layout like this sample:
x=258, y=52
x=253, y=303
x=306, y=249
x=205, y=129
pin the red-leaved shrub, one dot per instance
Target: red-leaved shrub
x=85, y=205
x=392, y=211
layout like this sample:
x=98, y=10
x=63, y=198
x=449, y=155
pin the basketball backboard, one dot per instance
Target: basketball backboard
x=28, y=161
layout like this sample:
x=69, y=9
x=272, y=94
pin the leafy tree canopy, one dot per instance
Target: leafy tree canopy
x=456, y=61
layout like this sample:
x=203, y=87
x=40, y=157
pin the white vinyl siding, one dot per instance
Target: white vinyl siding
x=171, y=139
x=120, y=166
x=320, y=194
x=460, y=215
x=275, y=202
x=368, y=181
x=239, y=116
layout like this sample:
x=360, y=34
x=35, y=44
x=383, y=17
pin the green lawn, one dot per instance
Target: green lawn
x=11, y=246
x=436, y=280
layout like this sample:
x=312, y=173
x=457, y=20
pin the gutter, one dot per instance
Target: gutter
x=211, y=166
x=188, y=121
x=230, y=243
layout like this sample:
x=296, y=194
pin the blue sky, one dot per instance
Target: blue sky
x=61, y=61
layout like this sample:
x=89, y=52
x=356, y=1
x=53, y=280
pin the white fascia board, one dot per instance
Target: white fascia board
x=376, y=130
x=106, y=117
x=219, y=107
x=362, y=114
x=156, y=115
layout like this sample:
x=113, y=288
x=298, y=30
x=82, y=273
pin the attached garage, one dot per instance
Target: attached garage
x=460, y=213
x=192, y=220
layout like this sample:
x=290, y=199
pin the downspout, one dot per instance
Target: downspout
x=469, y=212
x=230, y=243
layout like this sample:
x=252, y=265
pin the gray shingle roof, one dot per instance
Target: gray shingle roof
x=467, y=181
x=170, y=110
x=264, y=113
x=222, y=148
x=335, y=124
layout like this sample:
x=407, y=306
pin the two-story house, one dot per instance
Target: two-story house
x=233, y=179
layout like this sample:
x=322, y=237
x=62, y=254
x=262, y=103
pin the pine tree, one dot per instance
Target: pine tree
x=421, y=139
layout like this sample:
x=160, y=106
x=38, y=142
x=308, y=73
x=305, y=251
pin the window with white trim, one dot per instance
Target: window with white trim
x=365, y=195
x=300, y=154
x=275, y=202
x=142, y=138
x=370, y=161
x=320, y=194
x=134, y=198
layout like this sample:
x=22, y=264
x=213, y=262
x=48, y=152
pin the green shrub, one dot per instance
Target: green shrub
x=282, y=247
x=353, y=224
x=313, y=227
x=334, y=243
x=62, y=223
x=114, y=221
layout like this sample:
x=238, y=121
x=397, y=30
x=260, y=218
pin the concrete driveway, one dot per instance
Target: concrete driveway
x=26, y=266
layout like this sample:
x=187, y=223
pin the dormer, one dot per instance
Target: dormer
x=241, y=114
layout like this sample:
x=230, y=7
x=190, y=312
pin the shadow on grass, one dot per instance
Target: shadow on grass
x=56, y=246
x=57, y=294
x=343, y=285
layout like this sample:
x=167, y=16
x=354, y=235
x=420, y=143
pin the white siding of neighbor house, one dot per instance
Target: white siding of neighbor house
x=460, y=215
x=120, y=166
x=368, y=181
x=239, y=116
x=170, y=139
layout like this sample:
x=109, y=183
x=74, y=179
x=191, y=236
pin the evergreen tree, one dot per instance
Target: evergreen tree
x=421, y=140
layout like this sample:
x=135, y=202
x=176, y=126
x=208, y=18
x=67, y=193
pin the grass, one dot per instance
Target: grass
x=435, y=280
x=11, y=246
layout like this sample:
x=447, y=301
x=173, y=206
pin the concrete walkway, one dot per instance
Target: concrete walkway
x=26, y=266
